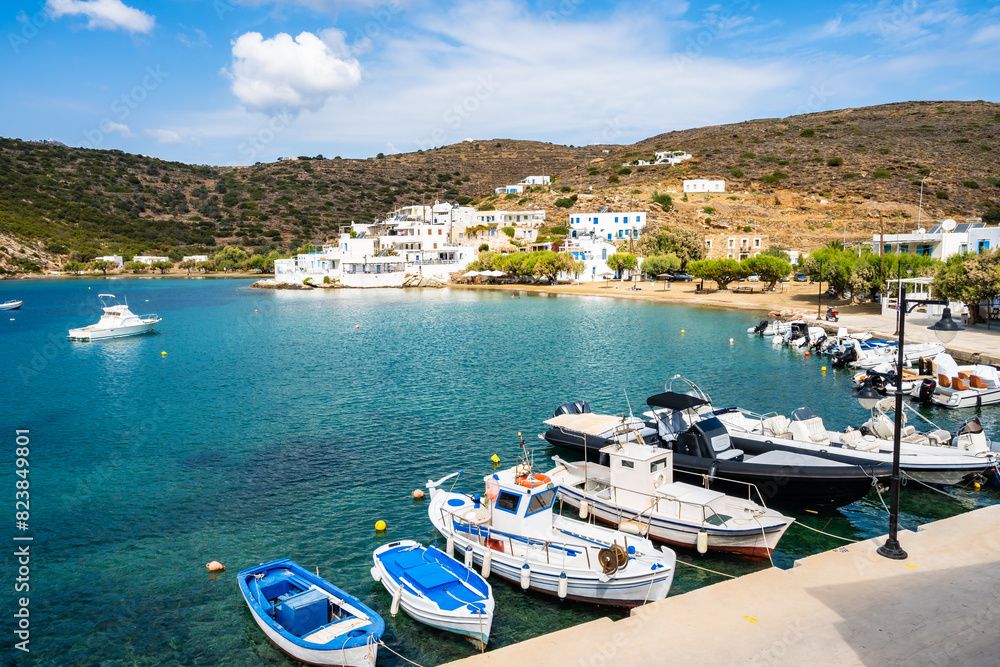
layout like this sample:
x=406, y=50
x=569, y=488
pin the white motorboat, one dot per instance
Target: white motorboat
x=911, y=352
x=516, y=535
x=11, y=305
x=434, y=588
x=117, y=321
x=636, y=493
x=981, y=387
x=929, y=457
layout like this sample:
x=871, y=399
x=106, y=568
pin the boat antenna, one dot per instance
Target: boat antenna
x=628, y=402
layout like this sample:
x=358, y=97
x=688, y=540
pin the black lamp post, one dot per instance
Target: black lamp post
x=819, y=292
x=945, y=329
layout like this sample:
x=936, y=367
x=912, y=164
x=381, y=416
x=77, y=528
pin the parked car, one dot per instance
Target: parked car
x=801, y=278
x=681, y=278
x=831, y=292
x=754, y=278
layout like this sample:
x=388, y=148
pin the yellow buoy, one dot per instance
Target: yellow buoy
x=682, y=330
x=163, y=354
x=495, y=459
x=977, y=486
x=418, y=494
x=380, y=525
x=823, y=369
x=215, y=566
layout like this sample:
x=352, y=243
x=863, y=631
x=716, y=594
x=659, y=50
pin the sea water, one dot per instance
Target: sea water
x=255, y=425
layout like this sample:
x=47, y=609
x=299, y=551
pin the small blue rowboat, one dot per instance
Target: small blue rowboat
x=435, y=589
x=309, y=618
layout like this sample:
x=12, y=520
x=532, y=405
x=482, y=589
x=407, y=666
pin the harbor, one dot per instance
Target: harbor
x=844, y=607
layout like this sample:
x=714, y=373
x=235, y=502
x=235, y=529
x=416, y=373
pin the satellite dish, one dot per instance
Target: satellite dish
x=948, y=225
x=921, y=231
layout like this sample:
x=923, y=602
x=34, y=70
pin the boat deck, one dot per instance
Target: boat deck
x=848, y=606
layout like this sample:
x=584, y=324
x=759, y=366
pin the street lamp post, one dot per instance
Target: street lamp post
x=945, y=329
x=819, y=292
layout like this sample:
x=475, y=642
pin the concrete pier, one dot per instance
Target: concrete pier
x=848, y=606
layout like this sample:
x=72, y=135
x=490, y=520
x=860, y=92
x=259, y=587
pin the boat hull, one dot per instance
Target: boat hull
x=11, y=305
x=758, y=542
x=825, y=486
x=967, y=398
x=460, y=621
x=89, y=333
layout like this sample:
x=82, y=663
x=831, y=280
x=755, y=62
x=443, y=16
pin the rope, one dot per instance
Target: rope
x=877, y=490
x=846, y=539
x=398, y=655
x=699, y=567
x=943, y=493
x=764, y=535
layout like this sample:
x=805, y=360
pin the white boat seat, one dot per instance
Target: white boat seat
x=729, y=454
x=777, y=426
x=333, y=630
x=810, y=430
x=939, y=437
x=854, y=440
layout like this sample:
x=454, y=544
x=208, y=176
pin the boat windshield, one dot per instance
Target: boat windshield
x=540, y=501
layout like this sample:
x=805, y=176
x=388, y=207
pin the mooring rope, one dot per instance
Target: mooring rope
x=846, y=539
x=399, y=655
x=699, y=567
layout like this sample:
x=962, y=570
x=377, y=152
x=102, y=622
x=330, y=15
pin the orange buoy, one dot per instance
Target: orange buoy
x=418, y=494
x=357, y=326
x=531, y=481
x=215, y=566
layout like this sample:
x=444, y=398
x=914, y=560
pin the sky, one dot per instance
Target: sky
x=234, y=82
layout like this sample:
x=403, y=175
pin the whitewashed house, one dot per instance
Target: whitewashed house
x=672, y=157
x=594, y=253
x=611, y=226
x=937, y=242
x=149, y=259
x=704, y=185
x=114, y=259
x=515, y=189
x=536, y=180
x=195, y=258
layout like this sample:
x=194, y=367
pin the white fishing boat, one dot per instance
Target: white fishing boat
x=435, y=589
x=11, y=305
x=117, y=321
x=516, y=535
x=636, y=493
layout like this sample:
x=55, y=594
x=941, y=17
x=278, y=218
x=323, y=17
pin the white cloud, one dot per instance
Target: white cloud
x=119, y=128
x=987, y=35
x=200, y=39
x=293, y=74
x=165, y=136
x=109, y=14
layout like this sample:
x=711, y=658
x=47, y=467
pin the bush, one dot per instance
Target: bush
x=881, y=173
x=807, y=133
x=664, y=200
x=613, y=178
x=509, y=231
x=736, y=173
x=624, y=171
x=710, y=210
x=776, y=177
x=483, y=247
x=326, y=280
x=565, y=188
x=851, y=176
x=748, y=156
x=941, y=194
x=835, y=162
x=972, y=185
x=565, y=202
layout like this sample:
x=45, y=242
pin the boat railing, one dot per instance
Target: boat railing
x=148, y=316
x=647, y=514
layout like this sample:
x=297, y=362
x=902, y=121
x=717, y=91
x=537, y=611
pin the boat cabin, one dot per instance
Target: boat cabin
x=523, y=505
x=638, y=470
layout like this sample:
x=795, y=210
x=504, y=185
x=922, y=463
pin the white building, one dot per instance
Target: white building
x=536, y=180
x=149, y=259
x=114, y=259
x=704, y=185
x=938, y=243
x=195, y=258
x=611, y=226
x=672, y=157
x=510, y=189
x=594, y=253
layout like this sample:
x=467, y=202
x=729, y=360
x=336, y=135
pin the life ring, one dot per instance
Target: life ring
x=531, y=481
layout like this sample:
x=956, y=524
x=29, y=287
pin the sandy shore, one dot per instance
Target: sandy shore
x=792, y=295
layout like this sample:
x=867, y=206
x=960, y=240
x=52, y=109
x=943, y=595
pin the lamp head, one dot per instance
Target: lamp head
x=946, y=328
x=867, y=396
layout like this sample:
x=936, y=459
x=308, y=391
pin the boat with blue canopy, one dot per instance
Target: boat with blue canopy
x=435, y=589
x=309, y=618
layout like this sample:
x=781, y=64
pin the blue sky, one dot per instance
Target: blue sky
x=238, y=81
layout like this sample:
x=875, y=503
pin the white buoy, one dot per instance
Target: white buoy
x=376, y=575
x=702, y=542
x=630, y=528
x=563, y=585
x=525, y=576
x=487, y=563
x=584, y=509
x=449, y=545
x=468, y=556
x=394, y=608
x=730, y=341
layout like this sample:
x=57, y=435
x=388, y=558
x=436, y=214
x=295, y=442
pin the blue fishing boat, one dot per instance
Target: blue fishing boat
x=434, y=588
x=309, y=618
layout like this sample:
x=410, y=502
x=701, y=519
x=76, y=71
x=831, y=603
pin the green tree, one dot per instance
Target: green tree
x=685, y=245
x=722, y=271
x=770, y=269
x=663, y=199
x=620, y=262
x=780, y=253
x=207, y=267
x=969, y=278
x=101, y=265
x=230, y=257
x=660, y=264
x=162, y=266
x=832, y=265
x=137, y=267
x=74, y=267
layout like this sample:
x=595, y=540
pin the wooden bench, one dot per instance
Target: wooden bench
x=743, y=288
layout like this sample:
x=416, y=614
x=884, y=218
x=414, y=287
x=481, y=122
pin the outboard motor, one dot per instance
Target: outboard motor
x=971, y=437
x=818, y=343
x=842, y=359
x=927, y=388
x=575, y=408
x=759, y=329
x=880, y=382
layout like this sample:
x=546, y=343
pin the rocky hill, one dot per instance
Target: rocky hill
x=800, y=181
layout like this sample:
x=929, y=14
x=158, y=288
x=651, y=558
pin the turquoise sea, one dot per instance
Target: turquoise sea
x=286, y=423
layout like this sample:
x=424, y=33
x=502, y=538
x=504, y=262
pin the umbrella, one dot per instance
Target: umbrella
x=665, y=277
x=471, y=274
x=494, y=274
x=605, y=274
